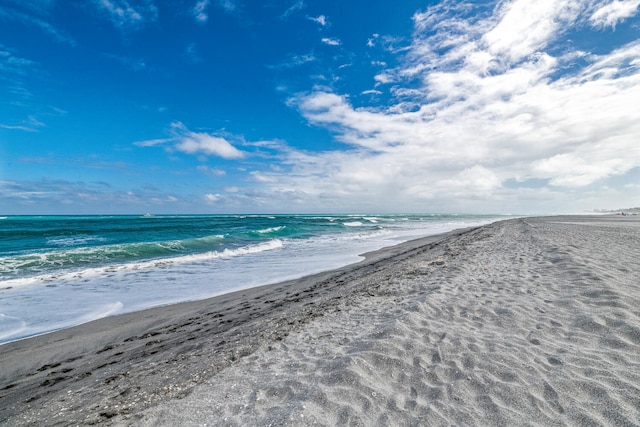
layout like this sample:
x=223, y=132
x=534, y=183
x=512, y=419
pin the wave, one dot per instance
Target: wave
x=143, y=265
x=73, y=241
x=271, y=230
x=83, y=256
x=366, y=234
x=371, y=219
x=245, y=250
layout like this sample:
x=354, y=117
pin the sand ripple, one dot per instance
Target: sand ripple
x=525, y=322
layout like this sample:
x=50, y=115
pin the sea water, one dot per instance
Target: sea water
x=60, y=271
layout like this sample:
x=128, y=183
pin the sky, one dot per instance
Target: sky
x=319, y=106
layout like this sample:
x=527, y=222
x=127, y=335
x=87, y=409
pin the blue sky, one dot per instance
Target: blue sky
x=237, y=106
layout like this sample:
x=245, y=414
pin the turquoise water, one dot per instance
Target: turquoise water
x=59, y=271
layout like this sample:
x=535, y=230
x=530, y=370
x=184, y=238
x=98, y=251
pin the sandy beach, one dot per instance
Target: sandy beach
x=532, y=321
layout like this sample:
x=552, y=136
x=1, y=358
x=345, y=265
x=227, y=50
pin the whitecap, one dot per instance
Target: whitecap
x=353, y=224
x=73, y=241
x=144, y=265
x=271, y=229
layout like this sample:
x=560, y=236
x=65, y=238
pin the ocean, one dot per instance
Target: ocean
x=61, y=271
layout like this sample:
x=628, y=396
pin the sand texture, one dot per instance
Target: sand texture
x=532, y=321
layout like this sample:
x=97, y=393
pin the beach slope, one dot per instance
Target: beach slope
x=520, y=322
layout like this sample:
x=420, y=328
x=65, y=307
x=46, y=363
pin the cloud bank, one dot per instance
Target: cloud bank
x=509, y=105
x=493, y=104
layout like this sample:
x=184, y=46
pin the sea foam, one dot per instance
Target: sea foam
x=56, y=272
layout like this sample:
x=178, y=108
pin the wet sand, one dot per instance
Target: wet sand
x=532, y=321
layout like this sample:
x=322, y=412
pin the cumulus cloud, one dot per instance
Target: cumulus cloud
x=490, y=103
x=200, y=142
x=570, y=170
x=190, y=142
x=482, y=98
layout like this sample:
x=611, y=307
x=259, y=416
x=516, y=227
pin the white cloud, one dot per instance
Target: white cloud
x=295, y=61
x=10, y=64
x=212, y=198
x=32, y=121
x=322, y=20
x=17, y=127
x=331, y=41
x=482, y=100
x=153, y=142
x=569, y=170
x=229, y=6
x=490, y=107
x=199, y=142
x=31, y=124
x=125, y=15
x=189, y=142
x=612, y=13
x=211, y=171
x=384, y=78
x=200, y=11
x=524, y=27
x=477, y=179
x=297, y=5
x=262, y=177
x=192, y=53
x=35, y=14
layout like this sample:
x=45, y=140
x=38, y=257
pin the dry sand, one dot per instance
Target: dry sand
x=532, y=321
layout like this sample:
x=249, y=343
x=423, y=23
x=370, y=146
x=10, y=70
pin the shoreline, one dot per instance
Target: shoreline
x=140, y=367
x=42, y=366
x=369, y=256
x=62, y=291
